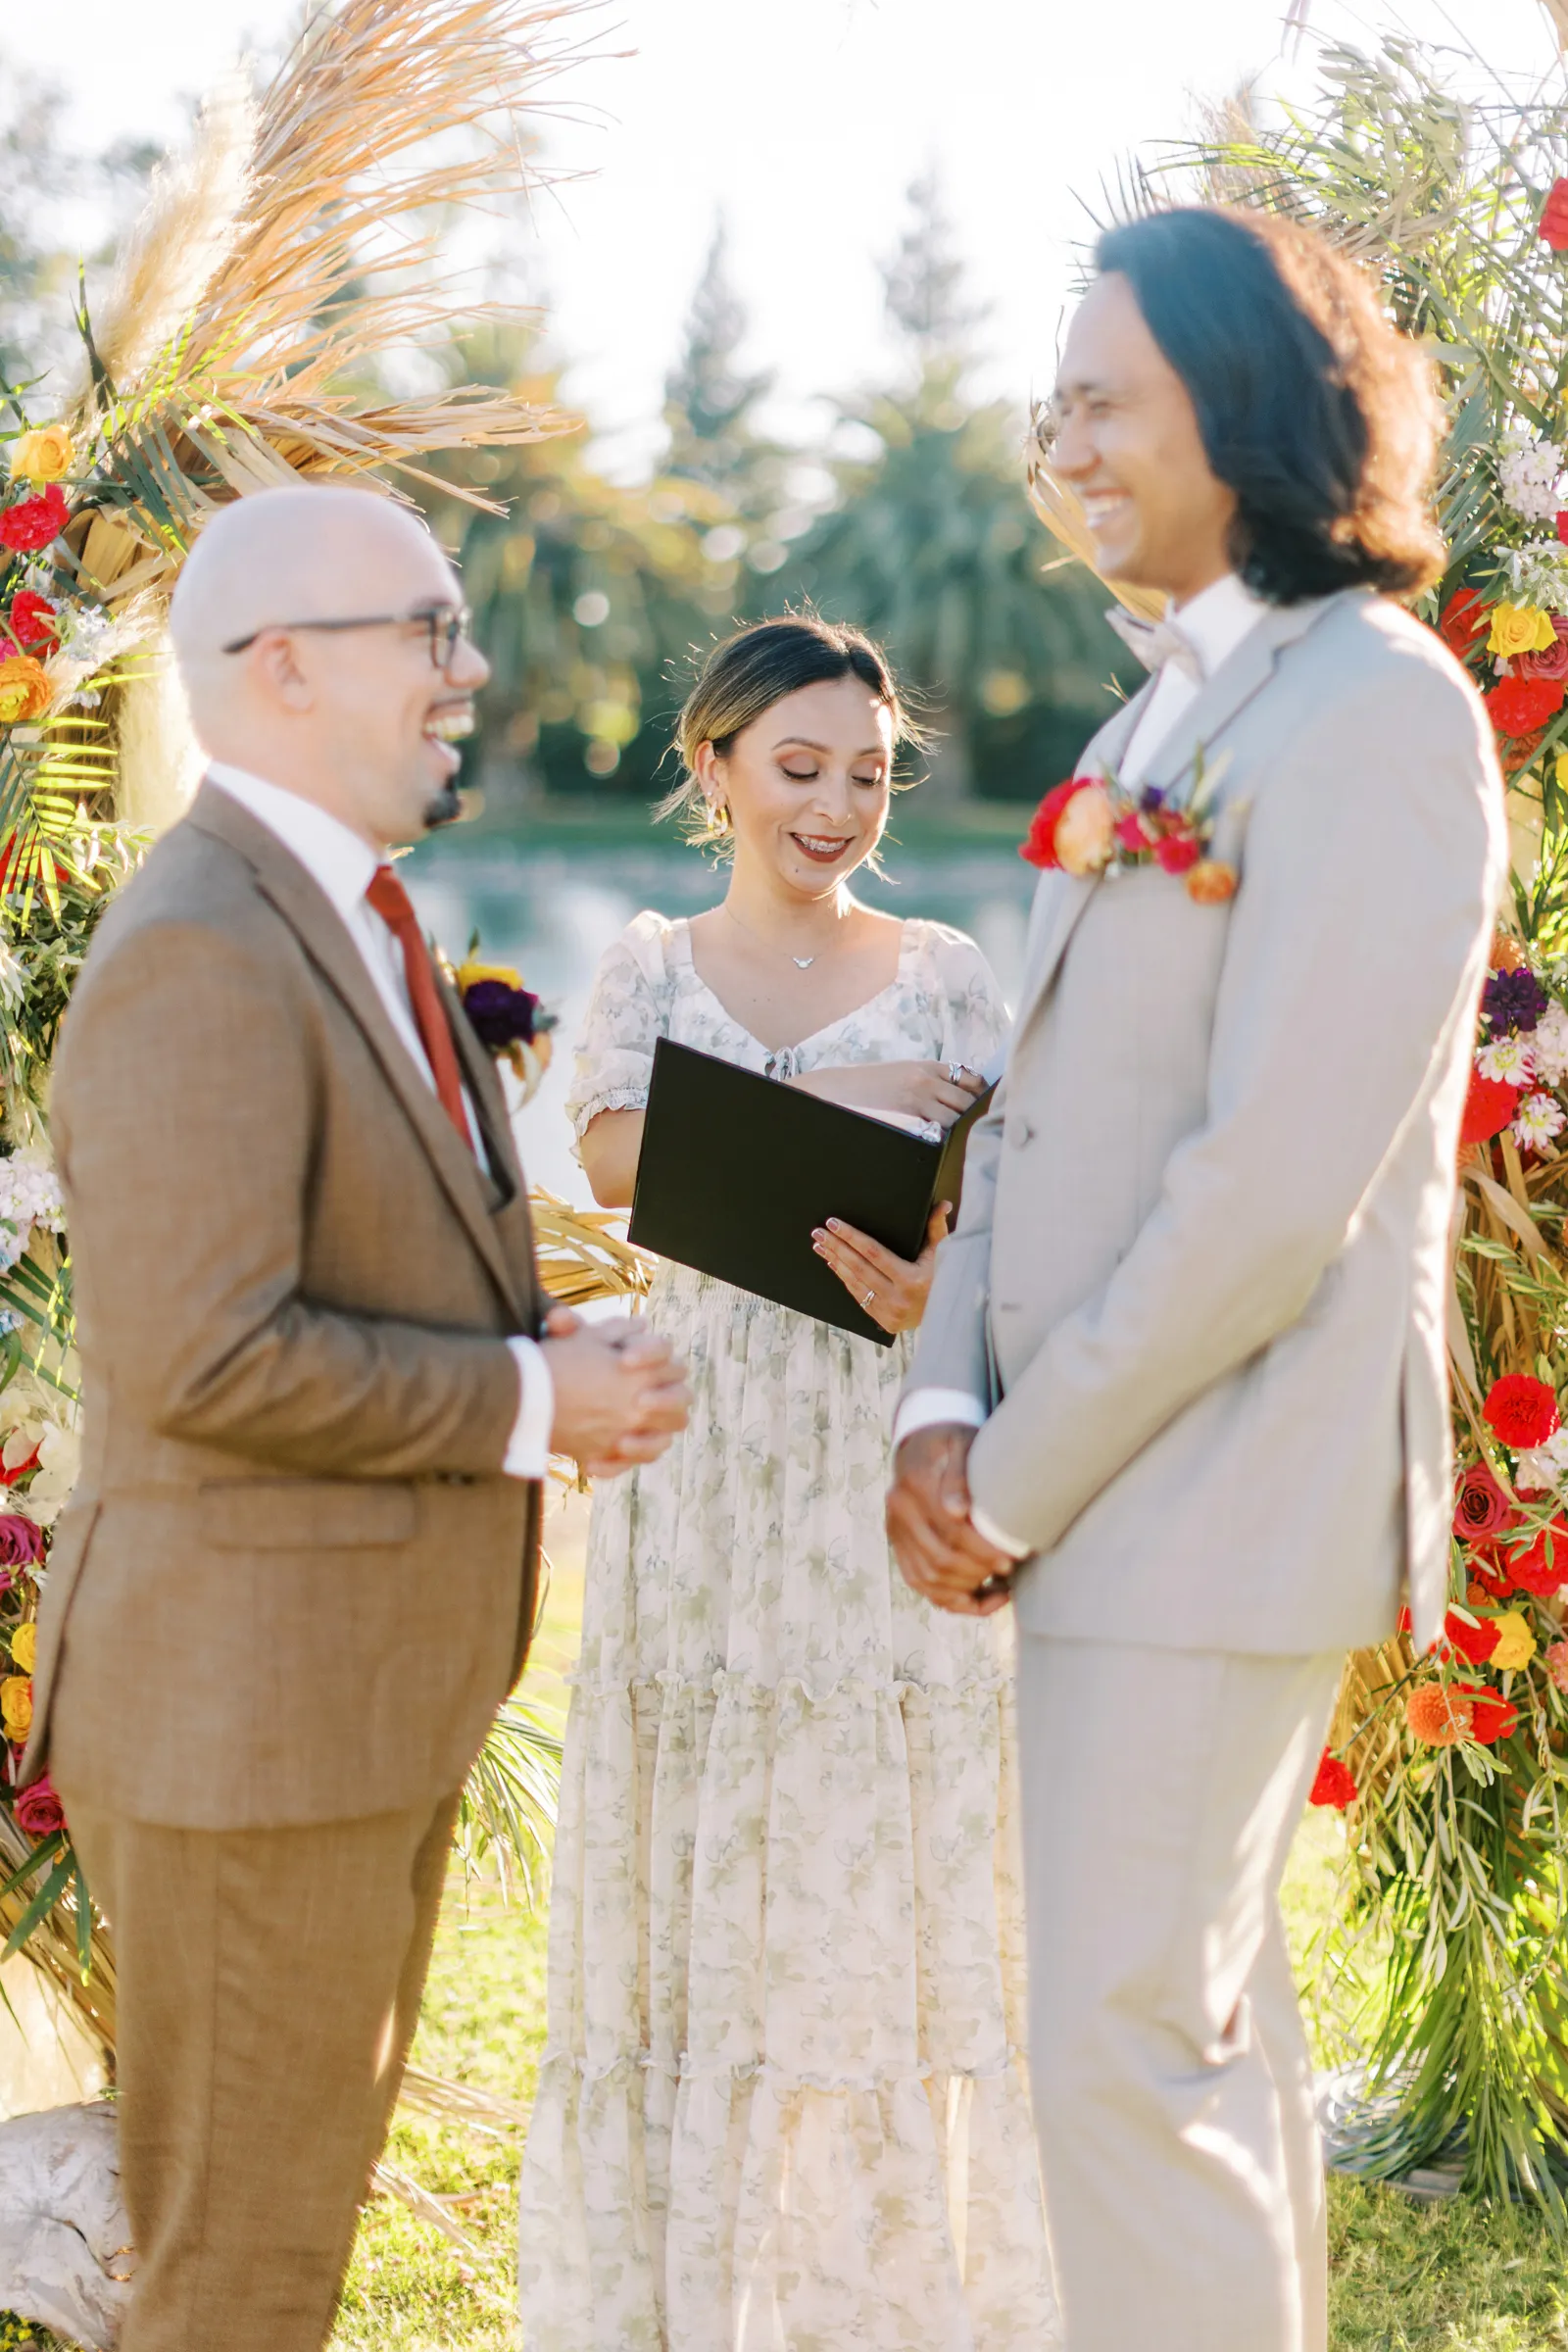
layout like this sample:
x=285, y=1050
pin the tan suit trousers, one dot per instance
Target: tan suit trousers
x=268, y=1989
x=1172, y=2086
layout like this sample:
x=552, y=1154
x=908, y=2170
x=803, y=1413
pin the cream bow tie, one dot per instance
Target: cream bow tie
x=1156, y=641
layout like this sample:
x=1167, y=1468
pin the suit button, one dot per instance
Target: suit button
x=1020, y=1133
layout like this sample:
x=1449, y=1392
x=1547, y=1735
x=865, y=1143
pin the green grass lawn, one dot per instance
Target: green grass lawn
x=1406, y=2278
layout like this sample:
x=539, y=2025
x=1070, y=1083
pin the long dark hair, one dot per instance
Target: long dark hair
x=1314, y=409
x=749, y=674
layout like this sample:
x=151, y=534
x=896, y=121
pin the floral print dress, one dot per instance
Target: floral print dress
x=782, y=2106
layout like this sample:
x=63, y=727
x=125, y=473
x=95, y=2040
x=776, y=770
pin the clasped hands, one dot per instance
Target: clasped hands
x=941, y=1553
x=620, y=1391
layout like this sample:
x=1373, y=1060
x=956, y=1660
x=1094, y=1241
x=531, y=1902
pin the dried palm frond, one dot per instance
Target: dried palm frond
x=65, y=1939
x=580, y=1260
x=294, y=248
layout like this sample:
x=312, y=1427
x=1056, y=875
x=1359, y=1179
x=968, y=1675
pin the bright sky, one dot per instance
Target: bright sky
x=805, y=122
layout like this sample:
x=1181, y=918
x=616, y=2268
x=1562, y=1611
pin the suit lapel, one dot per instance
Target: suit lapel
x=310, y=914
x=1063, y=897
x=1222, y=698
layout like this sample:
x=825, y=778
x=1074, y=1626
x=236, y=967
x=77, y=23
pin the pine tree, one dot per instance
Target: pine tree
x=708, y=398
x=933, y=548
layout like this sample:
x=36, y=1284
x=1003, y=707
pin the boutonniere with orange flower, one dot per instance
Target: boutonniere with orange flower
x=1097, y=826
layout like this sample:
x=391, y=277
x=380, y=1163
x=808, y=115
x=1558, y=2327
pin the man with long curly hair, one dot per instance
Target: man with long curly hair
x=1181, y=1386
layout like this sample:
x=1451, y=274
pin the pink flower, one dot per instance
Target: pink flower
x=1557, y=1663
x=1553, y=661
x=39, y=1810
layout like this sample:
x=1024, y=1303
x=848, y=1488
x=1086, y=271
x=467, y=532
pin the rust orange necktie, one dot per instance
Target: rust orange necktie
x=393, y=905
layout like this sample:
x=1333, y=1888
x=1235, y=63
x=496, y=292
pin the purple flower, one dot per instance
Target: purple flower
x=1512, y=1001
x=503, y=1016
x=21, y=1541
x=1152, y=798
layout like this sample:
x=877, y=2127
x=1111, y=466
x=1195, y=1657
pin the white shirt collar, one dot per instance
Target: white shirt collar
x=1216, y=619
x=333, y=857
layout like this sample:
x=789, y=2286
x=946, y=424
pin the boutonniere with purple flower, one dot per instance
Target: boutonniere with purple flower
x=507, y=1019
x=1097, y=826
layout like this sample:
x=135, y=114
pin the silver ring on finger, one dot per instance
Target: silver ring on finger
x=869, y=1296
x=954, y=1073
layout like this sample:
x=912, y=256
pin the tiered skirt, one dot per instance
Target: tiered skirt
x=783, y=2105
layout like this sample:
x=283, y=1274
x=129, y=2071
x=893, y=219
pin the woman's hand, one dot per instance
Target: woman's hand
x=921, y=1090
x=892, y=1291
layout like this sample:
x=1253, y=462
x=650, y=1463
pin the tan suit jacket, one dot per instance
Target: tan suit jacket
x=292, y=1586
x=1202, y=1262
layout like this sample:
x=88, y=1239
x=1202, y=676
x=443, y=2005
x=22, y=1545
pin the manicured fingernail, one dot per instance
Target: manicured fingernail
x=834, y=1226
x=817, y=1235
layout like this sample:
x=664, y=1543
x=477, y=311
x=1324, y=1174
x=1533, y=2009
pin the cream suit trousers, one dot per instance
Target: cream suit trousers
x=270, y=1984
x=1173, y=2090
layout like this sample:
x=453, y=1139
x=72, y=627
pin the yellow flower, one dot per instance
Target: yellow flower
x=43, y=456
x=1516, y=1644
x=25, y=689
x=24, y=1646
x=1520, y=629
x=1086, y=831
x=470, y=973
x=16, y=1705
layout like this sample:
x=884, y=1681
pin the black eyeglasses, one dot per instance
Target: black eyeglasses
x=448, y=624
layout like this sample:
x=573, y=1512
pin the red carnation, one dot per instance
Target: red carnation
x=1493, y=1717
x=1489, y=1105
x=1474, y=1638
x=1177, y=852
x=1039, y=845
x=1334, y=1784
x=1481, y=1506
x=1132, y=833
x=32, y=619
x=1520, y=1411
x=1463, y=621
x=38, y=1809
x=1543, y=1567
x=32, y=522
x=1519, y=706
x=1555, y=216
x=1488, y=1573
x=1405, y=1623
x=1562, y=524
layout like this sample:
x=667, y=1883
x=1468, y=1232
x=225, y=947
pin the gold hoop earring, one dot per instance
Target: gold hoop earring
x=718, y=812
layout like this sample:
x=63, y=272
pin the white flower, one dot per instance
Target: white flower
x=29, y=1195
x=1528, y=473
x=1542, y=1468
x=1537, y=574
x=1549, y=1045
x=1509, y=1058
x=13, y=980
x=1536, y=1120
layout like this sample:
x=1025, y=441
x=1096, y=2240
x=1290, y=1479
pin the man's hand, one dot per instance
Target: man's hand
x=942, y=1557
x=620, y=1394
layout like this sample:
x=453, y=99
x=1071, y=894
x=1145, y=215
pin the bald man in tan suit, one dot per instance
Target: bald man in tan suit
x=321, y=1386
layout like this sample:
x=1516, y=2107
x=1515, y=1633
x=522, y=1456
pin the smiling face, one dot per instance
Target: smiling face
x=806, y=786
x=385, y=719
x=1128, y=442
x=361, y=721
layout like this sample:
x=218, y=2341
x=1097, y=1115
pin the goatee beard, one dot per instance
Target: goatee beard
x=445, y=809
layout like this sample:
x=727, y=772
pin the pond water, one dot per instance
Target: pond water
x=552, y=909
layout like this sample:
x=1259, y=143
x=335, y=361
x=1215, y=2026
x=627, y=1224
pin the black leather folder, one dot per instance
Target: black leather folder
x=736, y=1171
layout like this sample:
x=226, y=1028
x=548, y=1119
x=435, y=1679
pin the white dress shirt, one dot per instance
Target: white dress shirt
x=1213, y=623
x=342, y=865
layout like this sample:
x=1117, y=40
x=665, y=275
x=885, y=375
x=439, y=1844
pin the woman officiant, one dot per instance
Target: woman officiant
x=782, y=2100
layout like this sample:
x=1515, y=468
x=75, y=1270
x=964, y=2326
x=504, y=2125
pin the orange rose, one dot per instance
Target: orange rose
x=42, y=455
x=1086, y=831
x=24, y=689
x=1212, y=882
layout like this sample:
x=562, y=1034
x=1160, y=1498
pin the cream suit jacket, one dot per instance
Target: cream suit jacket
x=292, y=1584
x=1203, y=1264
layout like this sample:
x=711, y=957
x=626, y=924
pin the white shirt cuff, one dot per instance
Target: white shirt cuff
x=984, y=1525
x=527, y=1454
x=924, y=1408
